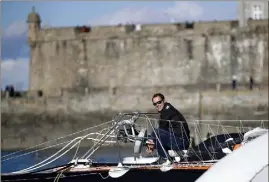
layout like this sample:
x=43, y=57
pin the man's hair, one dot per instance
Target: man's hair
x=158, y=95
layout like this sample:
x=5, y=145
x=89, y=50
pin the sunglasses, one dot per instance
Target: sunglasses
x=159, y=102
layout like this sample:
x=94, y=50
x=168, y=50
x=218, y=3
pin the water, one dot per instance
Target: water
x=106, y=154
x=26, y=161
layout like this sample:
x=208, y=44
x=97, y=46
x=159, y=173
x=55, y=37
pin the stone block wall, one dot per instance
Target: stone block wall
x=156, y=55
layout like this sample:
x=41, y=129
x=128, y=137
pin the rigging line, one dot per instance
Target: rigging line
x=240, y=130
x=199, y=151
x=118, y=145
x=56, y=139
x=192, y=148
x=209, y=120
x=193, y=122
x=102, y=138
x=242, y=126
x=159, y=140
x=76, y=151
x=34, y=151
x=175, y=139
x=33, y=168
x=213, y=147
x=81, y=138
x=189, y=141
x=147, y=122
x=42, y=149
x=29, y=168
x=216, y=141
x=99, y=143
x=240, y=133
x=109, y=136
x=225, y=130
x=262, y=124
x=177, y=142
x=154, y=131
x=218, y=128
x=199, y=134
x=170, y=134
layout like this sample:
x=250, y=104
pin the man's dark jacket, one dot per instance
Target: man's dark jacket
x=178, y=123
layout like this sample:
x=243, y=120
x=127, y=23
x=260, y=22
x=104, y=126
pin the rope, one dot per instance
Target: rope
x=46, y=148
x=34, y=166
x=112, y=132
x=56, y=139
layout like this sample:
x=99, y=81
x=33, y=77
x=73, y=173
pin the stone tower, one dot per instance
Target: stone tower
x=34, y=22
x=255, y=10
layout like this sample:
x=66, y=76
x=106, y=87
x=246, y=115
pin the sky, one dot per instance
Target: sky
x=14, y=48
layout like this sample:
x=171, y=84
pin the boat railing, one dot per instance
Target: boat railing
x=135, y=128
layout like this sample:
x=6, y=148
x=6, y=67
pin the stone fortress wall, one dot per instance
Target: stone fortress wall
x=195, y=54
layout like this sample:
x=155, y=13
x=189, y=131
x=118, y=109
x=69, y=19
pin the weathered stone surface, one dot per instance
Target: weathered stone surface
x=26, y=123
x=157, y=55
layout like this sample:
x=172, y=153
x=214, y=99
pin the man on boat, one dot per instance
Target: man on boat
x=173, y=131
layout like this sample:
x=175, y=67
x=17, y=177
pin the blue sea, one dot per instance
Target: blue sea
x=19, y=163
x=23, y=162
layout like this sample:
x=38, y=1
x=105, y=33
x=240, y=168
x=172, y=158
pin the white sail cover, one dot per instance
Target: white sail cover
x=247, y=163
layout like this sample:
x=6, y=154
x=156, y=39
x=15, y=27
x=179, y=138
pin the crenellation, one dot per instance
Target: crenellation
x=255, y=23
x=214, y=27
x=158, y=29
x=56, y=34
x=195, y=53
x=105, y=32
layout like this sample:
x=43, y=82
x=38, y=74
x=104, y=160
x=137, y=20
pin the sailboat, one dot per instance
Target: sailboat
x=132, y=129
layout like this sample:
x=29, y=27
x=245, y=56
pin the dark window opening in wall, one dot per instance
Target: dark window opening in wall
x=33, y=44
x=189, y=25
x=84, y=43
x=83, y=29
x=129, y=28
x=37, y=45
x=57, y=48
x=64, y=44
x=158, y=46
x=206, y=43
x=260, y=29
x=234, y=24
x=114, y=91
x=212, y=31
x=39, y=93
x=178, y=26
x=111, y=50
x=114, y=37
x=189, y=45
x=233, y=42
x=232, y=38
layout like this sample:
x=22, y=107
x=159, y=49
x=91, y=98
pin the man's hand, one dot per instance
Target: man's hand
x=150, y=149
x=150, y=146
